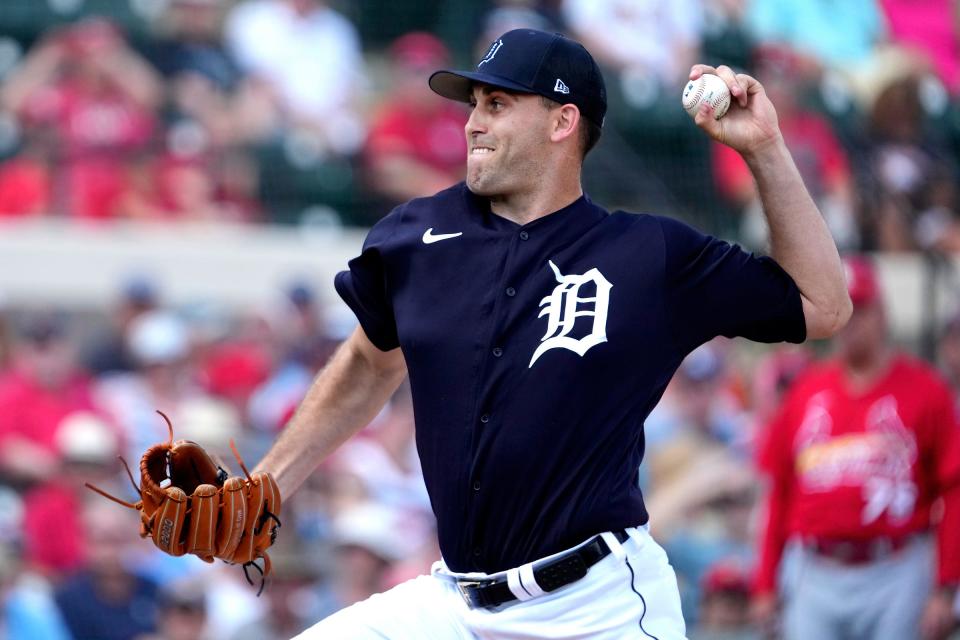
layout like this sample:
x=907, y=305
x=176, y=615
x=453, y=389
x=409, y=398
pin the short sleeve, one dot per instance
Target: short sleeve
x=715, y=288
x=364, y=286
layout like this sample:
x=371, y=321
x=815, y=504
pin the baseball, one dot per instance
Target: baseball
x=707, y=88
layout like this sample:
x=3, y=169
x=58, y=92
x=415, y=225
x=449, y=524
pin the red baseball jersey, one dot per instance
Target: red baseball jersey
x=848, y=464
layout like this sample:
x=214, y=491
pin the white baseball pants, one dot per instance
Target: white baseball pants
x=631, y=593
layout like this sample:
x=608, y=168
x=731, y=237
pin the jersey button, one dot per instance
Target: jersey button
x=497, y=352
x=477, y=552
x=524, y=235
x=476, y=486
x=511, y=291
x=485, y=418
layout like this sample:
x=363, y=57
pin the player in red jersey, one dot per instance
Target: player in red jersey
x=860, y=456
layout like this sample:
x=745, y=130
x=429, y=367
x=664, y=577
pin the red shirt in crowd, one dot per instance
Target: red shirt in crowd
x=818, y=154
x=855, y=466
x=51, y=525
x=434, y=138
x=25, y=188
x=53, y=533
x=34, y=412
x=95, y=128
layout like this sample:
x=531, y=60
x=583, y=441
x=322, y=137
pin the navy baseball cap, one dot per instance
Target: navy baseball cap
x=530, y=61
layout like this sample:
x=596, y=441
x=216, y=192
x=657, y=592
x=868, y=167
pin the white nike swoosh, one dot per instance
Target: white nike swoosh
x=430, y=238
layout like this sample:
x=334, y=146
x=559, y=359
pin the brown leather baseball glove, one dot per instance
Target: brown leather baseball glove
x=190, y=504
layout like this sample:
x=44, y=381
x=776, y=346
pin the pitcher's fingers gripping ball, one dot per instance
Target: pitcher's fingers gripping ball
x=189, y=504
x=710, y=89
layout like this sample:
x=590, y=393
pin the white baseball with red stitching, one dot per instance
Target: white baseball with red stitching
x=707, y=88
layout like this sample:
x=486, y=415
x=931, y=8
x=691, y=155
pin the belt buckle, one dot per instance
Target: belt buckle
x=465, y=588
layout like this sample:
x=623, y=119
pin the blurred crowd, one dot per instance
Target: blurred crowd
x=279, y=111
x=78, y=391
x=308, y=111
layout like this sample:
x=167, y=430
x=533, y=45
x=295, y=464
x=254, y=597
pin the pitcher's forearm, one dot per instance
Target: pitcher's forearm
x=346, y=395
x=799, y=238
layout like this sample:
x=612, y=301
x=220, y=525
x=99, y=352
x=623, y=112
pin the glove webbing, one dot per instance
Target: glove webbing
x=222, y=476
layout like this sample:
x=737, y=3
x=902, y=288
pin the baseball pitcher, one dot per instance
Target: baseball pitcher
x=538, y=331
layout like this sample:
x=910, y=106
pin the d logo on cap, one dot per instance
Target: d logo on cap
x=491, y=52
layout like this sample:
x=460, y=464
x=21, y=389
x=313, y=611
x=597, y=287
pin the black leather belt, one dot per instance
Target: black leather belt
x=549, y=574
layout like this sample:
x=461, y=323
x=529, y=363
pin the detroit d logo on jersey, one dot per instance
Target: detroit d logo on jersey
x=565, y=304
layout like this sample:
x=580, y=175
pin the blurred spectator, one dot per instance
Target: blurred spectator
x=383, y=460
x=295, y=594
x=99, y=98
x=164, y=379
x=819, y=156
x=107, y=350
x=232, y=366
x=237, y=178
x=302, y=346
x=726, y=37
x=725, y=604
x=272, y=404
x=832, y=35
x=307, y=57
x=698, y=485
x=52, y=529
x=181, y=613
x=26, y=183
x=29, y=611
x=213, y=110
x=863, y=447
x=42, y=388
x=369, y=538
x=204, y=83
x=703, y=512
x=304, y=333
x=417, y=144
x=507, y=15
x=187, y=191
x=105, y=599
x=698, y=408
x=649, y=44
x=909, y=178
x=170, y=188
x=188, y=41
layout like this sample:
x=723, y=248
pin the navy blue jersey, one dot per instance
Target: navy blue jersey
x=536, y=352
